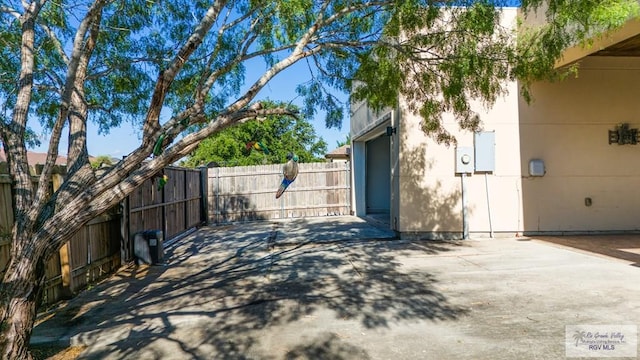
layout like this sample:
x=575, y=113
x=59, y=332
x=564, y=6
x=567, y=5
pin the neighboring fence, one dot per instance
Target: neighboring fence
x=92, y=253
x=247, y=193
x=6, y=215
x=100, y=247
x=6, y=220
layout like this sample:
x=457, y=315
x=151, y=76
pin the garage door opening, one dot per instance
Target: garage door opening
x=378, y=176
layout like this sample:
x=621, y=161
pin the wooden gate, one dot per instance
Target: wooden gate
x=173, y=208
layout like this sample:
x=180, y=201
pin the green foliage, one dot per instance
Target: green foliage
x=346, y=141
x=101, y=160
x=568, y=23
x=438, y=55
x=280, y=134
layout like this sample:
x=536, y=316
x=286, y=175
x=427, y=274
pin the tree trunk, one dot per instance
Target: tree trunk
x=19, y=297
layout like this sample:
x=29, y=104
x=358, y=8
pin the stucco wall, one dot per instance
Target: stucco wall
x=567, y=126
x=364, y=120
x=431, y=192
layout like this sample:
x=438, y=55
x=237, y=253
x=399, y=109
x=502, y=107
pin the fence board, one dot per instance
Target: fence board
x=6, y=215
x=52, y=291
x=174, y=209
x=247, y=193
x=6, y=220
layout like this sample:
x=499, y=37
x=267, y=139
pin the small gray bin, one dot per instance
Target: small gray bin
x=148, y=247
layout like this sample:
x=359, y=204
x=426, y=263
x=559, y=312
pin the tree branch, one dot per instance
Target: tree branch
x=78, y=55
x=56, y=42
x=10, y=11
x=166, y=77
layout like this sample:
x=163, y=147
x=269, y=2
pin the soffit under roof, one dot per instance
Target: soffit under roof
x=624, y=41
x=628, y=47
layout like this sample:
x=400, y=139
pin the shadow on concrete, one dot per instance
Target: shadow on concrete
x=329, y=230
x=326, y=346
x=622, y=247
x=226, y=290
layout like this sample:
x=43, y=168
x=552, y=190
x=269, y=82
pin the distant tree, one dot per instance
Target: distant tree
x=280, y=135
x=101, y=160
x=344, y=142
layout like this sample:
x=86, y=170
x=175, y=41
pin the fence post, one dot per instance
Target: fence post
x=125, y=248
x=66, y=265
x=164, y=205
x=185, y=207
x=204, y=194
x=66, y=270
x=348, y=185
x=216, y=195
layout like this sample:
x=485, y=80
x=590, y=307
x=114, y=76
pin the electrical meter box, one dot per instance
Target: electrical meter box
x=485, y=151
x=464, y=160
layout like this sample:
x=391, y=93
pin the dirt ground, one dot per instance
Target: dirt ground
x=47, y=352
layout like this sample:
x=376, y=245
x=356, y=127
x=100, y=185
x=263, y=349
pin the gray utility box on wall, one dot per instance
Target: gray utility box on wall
x=485, y=151
x=148, y=247
x=536, y=167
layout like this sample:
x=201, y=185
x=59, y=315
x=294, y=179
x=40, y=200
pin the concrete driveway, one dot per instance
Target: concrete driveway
x=340, y=288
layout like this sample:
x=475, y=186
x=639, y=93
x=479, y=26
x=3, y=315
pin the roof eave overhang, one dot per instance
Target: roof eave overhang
x=630, y=29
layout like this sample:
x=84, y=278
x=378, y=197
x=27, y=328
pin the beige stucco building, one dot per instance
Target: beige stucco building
x=545, y=167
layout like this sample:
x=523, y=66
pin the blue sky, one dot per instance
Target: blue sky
x=124, y=139
x=121, y=141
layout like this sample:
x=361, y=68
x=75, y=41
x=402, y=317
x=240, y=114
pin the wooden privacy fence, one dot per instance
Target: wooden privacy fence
x=247, y=193
x=103, y=244
x=174, y=208
x=91, y=253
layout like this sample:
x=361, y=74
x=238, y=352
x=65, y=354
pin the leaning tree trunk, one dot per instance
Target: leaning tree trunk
x=20, y=292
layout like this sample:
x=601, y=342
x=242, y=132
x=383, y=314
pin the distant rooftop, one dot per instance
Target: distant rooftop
x=343, y=152
x=35, y=158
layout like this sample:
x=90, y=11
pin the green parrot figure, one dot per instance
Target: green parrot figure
x=162, y=181
x=257, y=145
x=290, y=172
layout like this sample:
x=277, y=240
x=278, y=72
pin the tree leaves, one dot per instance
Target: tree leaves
x=441, y=57
x=568, y=23
x=449, y=52
x=281, y=135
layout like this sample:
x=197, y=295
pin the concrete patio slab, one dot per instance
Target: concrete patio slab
x=300, y=290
